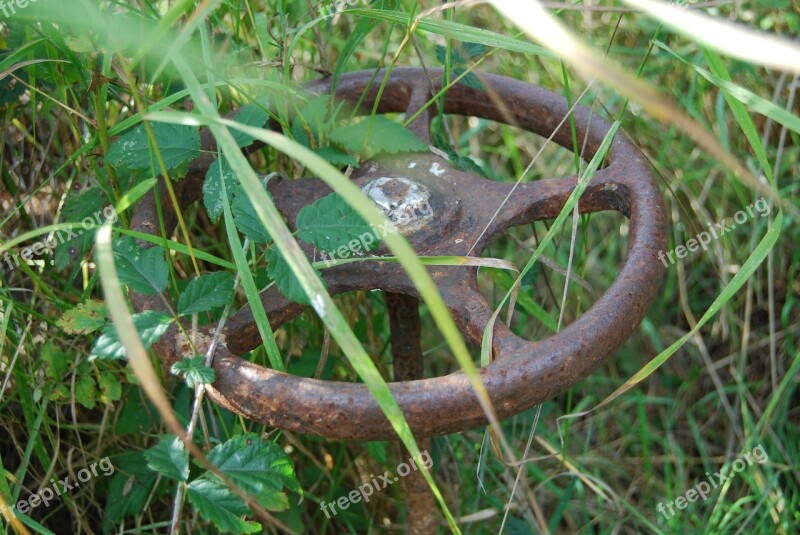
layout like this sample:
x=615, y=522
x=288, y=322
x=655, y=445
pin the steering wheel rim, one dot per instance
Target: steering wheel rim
x=523, y=373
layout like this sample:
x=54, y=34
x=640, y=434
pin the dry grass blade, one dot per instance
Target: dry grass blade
x=544, y=28
x=729, y=39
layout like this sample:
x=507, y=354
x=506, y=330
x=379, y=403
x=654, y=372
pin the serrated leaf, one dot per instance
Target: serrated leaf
x=460, y=56
x=378, y=134
x=311, y=120
x=469, y=79
x=206, y=292
x=178, y=144
x=329, y=223
x=129, y=490
x=219, y=174
x=85, y=318
x=217, y=504
x=299, y=134
x=56, y=361
x=194, y=371
x=83, y=204
x=246, y=220
x=143, y=270
x=337, y=157
x=252, y=114
x=285, y=279
x=259, y=467
x=73, y=243
x=472, y=50
x=111, y=387
x=150, y=324
x=59, y=392
x=169, y=458
x=85, y=391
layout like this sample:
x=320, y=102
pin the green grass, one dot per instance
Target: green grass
x=711, y=373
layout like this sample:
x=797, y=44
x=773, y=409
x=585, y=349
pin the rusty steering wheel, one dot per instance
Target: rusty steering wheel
x=468, y=211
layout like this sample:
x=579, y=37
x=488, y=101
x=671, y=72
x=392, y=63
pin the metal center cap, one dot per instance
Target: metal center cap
x=404, y=202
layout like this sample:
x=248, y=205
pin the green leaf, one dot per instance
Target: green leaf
x=142, y=270
x=336, y=157
x=130, y=488
x=74, y=243
x=246, y=220
x=378, y=134
x=285, y=279
x=259, y=467
x=194, y=371
x=329, y=223
x=85, y=318
x=150, y=324
x=111, y=387
x=85, y=391
x=460, y=56
x=217, y=504
x=57, y=361
x=206, y=292
x=311, y=120
x=178, y=144
x=471, y=50
x=219, y=173
x=252, y=114
x=169, y=458
x=83, y=204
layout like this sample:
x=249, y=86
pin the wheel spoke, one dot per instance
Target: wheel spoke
x=421, y=94
x=544, y=199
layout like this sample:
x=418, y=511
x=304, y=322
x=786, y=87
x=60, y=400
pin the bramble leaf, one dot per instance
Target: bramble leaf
x=206, y=292
x=169, y=457
x=377, y=134
x=150, y=324
x=178, y=144
x=194, y=371
x=143, y=270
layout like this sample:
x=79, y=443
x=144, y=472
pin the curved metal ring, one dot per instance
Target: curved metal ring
x=523, y=373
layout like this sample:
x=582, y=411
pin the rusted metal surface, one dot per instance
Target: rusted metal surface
x=468, y=211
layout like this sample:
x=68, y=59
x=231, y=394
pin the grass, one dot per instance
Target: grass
x=710, y=374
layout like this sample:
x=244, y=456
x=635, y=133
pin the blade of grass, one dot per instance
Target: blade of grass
x=178, y=247
x=249, y=285
x=745, y=96
x=455, y=30
x=732, y=40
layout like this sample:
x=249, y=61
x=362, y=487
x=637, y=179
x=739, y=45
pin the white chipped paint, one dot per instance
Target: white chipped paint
x=436, y=169
x=412, y=165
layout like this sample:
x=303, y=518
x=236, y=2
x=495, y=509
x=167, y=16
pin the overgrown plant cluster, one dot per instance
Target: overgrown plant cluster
x=105, y=104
